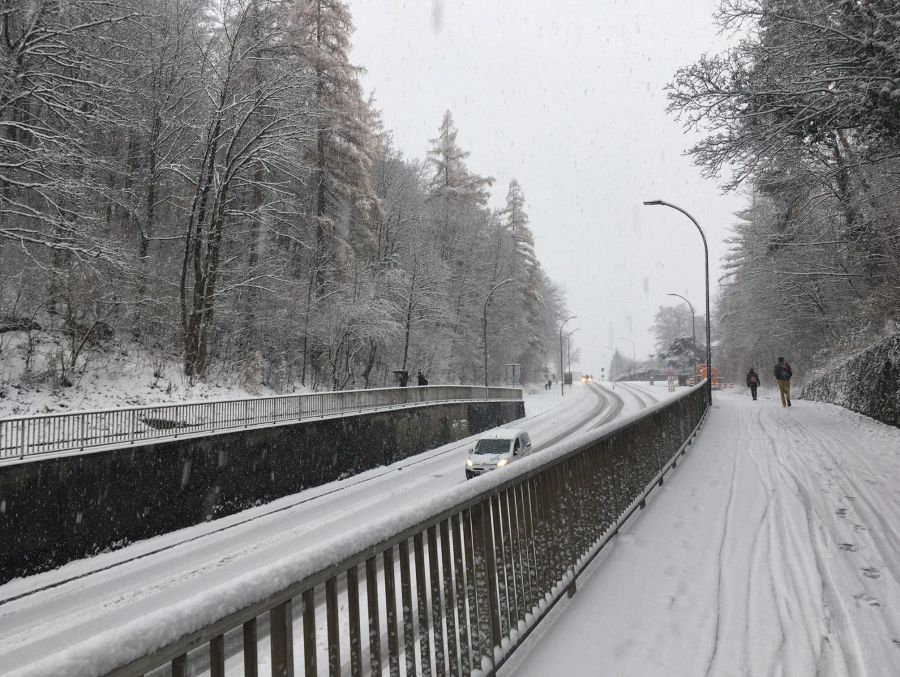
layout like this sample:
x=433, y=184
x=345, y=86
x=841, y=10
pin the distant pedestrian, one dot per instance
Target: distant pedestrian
x=404, y=378
x=420, y=377
x=783, y=373
x=548, y=385
x=752, y=381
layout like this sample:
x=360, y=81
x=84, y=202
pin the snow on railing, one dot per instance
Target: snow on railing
x=451, y=585
x=30, y=435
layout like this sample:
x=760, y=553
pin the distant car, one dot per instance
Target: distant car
x=587, y=378
x=497, y=449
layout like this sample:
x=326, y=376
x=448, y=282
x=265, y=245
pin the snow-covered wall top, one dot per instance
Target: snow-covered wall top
x=868, y=383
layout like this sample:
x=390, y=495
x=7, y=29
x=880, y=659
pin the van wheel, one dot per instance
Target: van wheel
x=469, y=475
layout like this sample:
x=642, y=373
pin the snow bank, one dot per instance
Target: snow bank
x=868, y=383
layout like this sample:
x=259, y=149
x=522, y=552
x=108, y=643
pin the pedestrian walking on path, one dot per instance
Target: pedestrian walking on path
x=783, y=375
x=752, y=382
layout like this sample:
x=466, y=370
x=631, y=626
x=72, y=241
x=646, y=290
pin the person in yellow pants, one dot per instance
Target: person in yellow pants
x=783, y=373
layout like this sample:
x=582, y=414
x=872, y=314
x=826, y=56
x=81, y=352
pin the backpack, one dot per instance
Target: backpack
x=753, y=380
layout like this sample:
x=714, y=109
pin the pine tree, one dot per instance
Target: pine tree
x=453, y=191
x=527, y=271
x=344, y=206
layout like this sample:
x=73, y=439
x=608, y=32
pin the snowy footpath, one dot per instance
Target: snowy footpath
x=774, y=549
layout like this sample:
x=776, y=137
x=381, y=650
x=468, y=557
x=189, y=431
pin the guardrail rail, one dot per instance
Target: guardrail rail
x=29, y=435
x=450, y=587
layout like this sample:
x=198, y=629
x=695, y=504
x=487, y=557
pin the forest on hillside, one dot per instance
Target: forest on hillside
x=803, y=114
x=208, y=183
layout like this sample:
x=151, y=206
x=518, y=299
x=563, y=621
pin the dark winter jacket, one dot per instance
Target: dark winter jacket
x=783, y=371
x=754, y=381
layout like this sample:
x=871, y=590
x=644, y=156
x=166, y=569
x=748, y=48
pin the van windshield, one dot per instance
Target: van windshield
x=492, y=446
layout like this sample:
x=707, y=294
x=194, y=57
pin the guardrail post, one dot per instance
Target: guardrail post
x=390, y=610
x=570, y=520
x=374, y=619
x=406, y=598
x=334, y=628
x=449, y=598
x=251, y=663
x=310, y=661
x=281, y=639
x=422, y=599
x=437, y=616
x=354, y=621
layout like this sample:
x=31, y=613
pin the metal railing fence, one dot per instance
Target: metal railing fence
x=29, y=435
x=452, y=592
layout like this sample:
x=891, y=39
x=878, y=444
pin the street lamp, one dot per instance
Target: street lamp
x=568, y=348
x=633, y=358
x=693, y=315
x=484, y=325
x=706, y=263
x=562, y=379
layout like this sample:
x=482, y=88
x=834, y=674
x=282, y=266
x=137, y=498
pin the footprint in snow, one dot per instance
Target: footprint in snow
x=850, y=498
x=871, y=572
x=896, y=643
x=859, y=527
x=847, y=547
x=842, y=512
x=867, y=599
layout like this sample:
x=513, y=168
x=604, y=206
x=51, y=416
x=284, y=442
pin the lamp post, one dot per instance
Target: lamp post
x=562, y=380
x=569, y=348
x=484, y=325
x=693, y=314
x=633, y=358
x=663, y=203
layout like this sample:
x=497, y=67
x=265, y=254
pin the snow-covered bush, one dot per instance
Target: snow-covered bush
x=868, y=383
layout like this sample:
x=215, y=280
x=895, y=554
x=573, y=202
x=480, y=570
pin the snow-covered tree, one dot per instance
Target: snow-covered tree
x=527, y=272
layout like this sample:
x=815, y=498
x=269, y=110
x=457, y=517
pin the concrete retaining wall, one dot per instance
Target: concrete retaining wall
x=868, y=383
x=55, y=510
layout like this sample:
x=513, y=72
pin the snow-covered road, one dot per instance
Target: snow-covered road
x=773, y=550
x=50, y=612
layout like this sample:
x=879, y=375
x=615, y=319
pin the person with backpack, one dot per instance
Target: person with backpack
x=752, y=382
x=783, y=373
x=422, y=381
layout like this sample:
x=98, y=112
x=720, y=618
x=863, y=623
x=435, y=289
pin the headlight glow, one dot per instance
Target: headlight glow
x=502, y=462
x=469, y=462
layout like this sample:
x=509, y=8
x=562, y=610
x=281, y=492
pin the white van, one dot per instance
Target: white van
x=496, y=449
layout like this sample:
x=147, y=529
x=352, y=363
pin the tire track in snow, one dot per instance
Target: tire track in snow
x=719, y=573
x=832, y=607
x=761, y=554
x=635, y=395
x=644, y=390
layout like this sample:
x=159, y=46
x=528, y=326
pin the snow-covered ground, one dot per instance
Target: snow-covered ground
x=774, y=549
x=45, y=619
x=124, y=375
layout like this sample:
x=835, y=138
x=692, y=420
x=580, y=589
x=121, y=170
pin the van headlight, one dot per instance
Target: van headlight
x=469, y=463
x=502, y=462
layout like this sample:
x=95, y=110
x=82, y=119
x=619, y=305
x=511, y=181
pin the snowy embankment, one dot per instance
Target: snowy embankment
x=124, y=375
x=774, y=549
x=868, y=383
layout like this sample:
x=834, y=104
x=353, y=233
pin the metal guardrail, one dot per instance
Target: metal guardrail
x=455, y=590
x=29, y=435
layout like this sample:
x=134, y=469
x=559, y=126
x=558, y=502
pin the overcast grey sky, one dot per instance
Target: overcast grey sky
x=567, y=97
